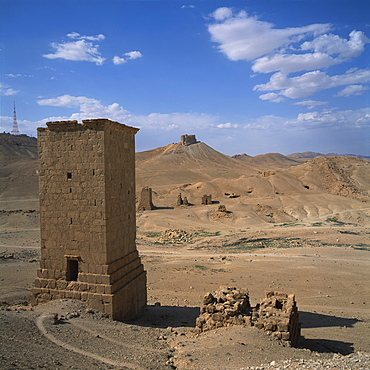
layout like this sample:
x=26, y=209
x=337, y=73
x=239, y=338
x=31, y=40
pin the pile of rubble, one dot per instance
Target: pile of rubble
x=174, y=236
x=226, y=307
x=277, y=314
x=221, y=213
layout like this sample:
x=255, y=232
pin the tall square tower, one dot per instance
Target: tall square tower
x=88, y=218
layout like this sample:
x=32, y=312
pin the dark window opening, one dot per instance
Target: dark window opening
x=93, y=172
x=71, y=222
x=70, y=190
x=72, y=270
x=69, y=175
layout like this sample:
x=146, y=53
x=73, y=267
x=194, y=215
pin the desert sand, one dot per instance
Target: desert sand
x=292, y=225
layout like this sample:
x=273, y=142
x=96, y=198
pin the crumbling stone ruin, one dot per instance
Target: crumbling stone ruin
x=207, y=199
x=182, y=201
x=225, y=307
x=188, y=140
x=277, y=314
x=222, y=208
x=146, y=202
x=87, y=217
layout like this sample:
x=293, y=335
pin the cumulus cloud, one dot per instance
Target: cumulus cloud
x=311, y=82
x=353, y=90
x=7, y=91
x=81, y=48
x=288, y=50
x=244, y=37
x=127, y=56
x=89, y=108
x=329, y=118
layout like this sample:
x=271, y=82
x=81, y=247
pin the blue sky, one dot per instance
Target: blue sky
x=245, y=76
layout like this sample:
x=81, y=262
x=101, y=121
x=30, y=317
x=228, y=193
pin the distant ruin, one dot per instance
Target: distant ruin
x=277, y=314
x=146, y=203
x=207, y=199
x=182, y=201
x=188, y=140
x=87, y=217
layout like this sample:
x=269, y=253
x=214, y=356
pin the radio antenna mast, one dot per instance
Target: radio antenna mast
x=15, y=130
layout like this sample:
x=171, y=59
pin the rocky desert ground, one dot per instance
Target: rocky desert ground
x=291, y=224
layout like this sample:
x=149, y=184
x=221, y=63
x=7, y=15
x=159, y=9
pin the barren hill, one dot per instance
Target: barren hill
x=177, y=164
x=270, y=160
x=18, y=157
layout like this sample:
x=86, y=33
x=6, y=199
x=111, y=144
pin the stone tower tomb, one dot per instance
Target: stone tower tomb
x=87, y=217
x=146, y=199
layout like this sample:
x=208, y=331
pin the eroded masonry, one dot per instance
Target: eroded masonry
x=87, y=212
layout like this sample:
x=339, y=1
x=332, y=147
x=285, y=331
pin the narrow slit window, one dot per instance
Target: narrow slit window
x=72, y=270
x=69, y=175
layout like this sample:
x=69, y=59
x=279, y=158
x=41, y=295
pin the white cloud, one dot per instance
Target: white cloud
x=228, y=125
x=75, y=35
x=11, y=75
x=127, y=56
x=7, y=91
x=329, y=118
x=243, y=37
x=117, y=60
x=289, y=50
x=353, y=90
x=188, y=7
x=133, y=54
x=334, y=45
x=311, y=82
x=288, y=63
x=223, y=13
x=92, y=108
x=276, y=98
x=81, y=50
x=89, y=108
x=311, y=104
x=328, y=50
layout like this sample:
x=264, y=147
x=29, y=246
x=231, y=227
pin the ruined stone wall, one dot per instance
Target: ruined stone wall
x=207, y=199
x=277, y=314
x=87, y=217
